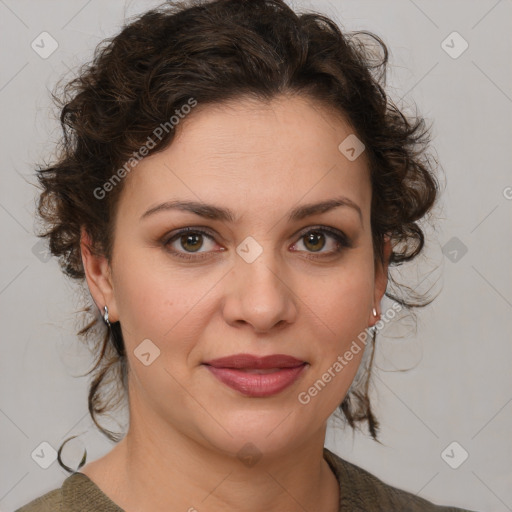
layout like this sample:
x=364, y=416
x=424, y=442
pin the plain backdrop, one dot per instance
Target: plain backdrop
x=455, y=402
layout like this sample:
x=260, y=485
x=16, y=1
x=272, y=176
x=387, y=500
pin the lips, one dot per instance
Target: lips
x=248, y=361
x=257, y=376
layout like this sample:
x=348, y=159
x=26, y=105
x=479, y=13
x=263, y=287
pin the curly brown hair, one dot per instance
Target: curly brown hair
x=216, y=51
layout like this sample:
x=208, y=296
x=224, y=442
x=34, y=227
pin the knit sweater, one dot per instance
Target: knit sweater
x=360, y=491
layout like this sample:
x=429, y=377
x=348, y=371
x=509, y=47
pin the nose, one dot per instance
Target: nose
x=259, y=295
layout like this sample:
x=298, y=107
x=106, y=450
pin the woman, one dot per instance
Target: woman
x=233, y=186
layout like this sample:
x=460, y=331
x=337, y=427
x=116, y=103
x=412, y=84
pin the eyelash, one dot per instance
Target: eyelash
x=342, y=240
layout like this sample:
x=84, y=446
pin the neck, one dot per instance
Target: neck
x=161, y=469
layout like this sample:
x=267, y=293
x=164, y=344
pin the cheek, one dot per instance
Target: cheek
x=158, y=301
x=346, y=298
x=340, y=314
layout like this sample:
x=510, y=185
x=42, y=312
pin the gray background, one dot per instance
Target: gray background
x=459, y=388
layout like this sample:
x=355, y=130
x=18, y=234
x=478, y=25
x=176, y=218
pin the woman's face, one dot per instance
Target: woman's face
x=260, y=283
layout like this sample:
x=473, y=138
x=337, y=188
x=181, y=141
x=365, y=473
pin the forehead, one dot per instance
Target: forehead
x=251, y=154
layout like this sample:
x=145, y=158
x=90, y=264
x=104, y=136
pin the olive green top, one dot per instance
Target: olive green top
x=360, y=491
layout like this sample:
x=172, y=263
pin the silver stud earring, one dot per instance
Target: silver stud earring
x=105, y=316
x=374, y=311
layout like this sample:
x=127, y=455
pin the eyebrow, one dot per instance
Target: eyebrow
x=225, y=214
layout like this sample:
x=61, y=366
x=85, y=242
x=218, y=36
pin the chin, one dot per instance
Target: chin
x=265, y=430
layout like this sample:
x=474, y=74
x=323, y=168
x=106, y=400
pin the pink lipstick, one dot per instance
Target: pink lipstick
x=257, y=376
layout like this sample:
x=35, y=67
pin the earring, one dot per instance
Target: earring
x=374, y=311
x=105, y=316
x=115, y=333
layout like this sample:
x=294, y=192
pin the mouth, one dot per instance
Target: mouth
x=255, y=376
x=257, y=371
x=249, y=361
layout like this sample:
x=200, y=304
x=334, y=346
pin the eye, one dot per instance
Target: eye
x=191, y=240
x=314, y=240
x=188, y=242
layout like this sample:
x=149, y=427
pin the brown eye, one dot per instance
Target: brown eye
x=315, y=240
x=191, y=241
x=187, y=242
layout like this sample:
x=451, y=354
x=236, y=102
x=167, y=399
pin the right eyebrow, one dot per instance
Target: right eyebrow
x=203, y=210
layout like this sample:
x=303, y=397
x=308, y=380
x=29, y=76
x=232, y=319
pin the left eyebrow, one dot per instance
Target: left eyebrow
x=311, y=209
x=225, y=214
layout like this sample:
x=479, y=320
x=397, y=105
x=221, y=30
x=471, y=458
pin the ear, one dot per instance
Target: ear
x=99, y=277
x=381, y=280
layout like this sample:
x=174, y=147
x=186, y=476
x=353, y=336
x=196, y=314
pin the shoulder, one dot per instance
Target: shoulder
x=77, y=494
x=49, y=502
x=360, y=490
